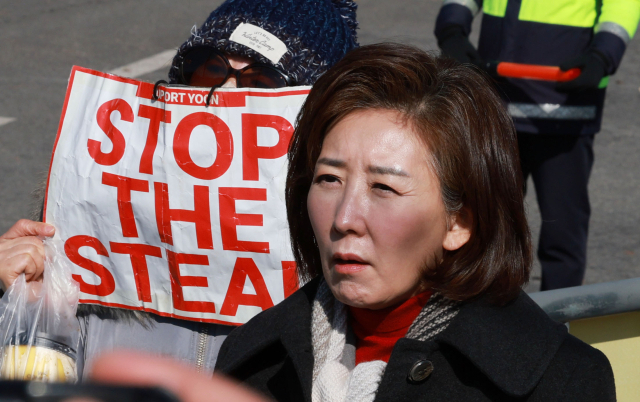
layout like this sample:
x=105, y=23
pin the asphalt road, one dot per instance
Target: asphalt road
x=42, y=39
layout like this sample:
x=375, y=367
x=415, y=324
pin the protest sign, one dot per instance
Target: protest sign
x=170, y=206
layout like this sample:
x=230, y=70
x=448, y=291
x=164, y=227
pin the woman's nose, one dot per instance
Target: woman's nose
x=350, y=213
x=230, y=82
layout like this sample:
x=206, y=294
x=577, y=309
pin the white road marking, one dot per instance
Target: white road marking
x=147, y=65
x=6, y=120
x=132, y=70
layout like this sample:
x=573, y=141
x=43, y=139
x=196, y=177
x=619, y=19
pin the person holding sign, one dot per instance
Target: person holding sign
x=243, y=43
x=405, y=207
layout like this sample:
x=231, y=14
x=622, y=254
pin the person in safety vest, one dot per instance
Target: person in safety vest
x=555, y=121
x=316, y=35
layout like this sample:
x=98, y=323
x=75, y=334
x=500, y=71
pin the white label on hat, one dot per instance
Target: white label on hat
x=259, y=40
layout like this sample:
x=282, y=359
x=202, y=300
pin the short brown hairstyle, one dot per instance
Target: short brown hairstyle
x=462, y=121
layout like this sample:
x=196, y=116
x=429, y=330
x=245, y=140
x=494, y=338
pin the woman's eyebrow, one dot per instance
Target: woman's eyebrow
x=331, y=162
x=396, y=171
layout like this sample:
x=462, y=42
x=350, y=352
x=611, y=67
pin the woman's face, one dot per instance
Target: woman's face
x=376, y=210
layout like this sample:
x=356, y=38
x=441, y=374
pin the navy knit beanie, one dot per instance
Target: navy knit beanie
x=304, y=38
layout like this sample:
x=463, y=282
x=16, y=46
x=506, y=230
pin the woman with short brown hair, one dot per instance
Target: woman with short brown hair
x=473, y=147
x=405, y=209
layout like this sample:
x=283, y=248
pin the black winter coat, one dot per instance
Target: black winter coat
x=487, y=353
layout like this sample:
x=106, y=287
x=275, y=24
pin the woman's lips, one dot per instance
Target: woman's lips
x=348, y=263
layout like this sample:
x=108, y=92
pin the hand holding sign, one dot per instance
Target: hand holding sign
x=170, y=206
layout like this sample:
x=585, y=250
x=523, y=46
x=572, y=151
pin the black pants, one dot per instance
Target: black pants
x=560, y=166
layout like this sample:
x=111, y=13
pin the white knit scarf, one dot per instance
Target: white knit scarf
x=336, y=378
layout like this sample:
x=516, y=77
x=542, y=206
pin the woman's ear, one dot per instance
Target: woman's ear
x=459, y=230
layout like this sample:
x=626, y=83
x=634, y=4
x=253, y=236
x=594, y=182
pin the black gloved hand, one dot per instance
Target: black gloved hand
x=593, y=65
x=455, y=44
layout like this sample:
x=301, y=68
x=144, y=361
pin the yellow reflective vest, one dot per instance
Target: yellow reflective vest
x=548, y=32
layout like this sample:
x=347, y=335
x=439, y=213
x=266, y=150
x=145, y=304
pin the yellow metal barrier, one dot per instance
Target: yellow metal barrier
x=618, y=337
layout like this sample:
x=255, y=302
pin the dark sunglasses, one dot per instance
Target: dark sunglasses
x=205, y=66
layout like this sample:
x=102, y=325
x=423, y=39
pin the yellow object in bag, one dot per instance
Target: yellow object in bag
x=39, y=331
x=37, y=363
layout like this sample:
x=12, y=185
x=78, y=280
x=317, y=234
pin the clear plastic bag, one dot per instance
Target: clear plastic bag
x=39, y=331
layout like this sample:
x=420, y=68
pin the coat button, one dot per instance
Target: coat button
x=420, y=371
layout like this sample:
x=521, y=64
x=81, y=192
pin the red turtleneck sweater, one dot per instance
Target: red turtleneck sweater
x=377, y=331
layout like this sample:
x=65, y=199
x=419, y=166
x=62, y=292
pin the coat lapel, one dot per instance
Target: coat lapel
x=512, y=345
